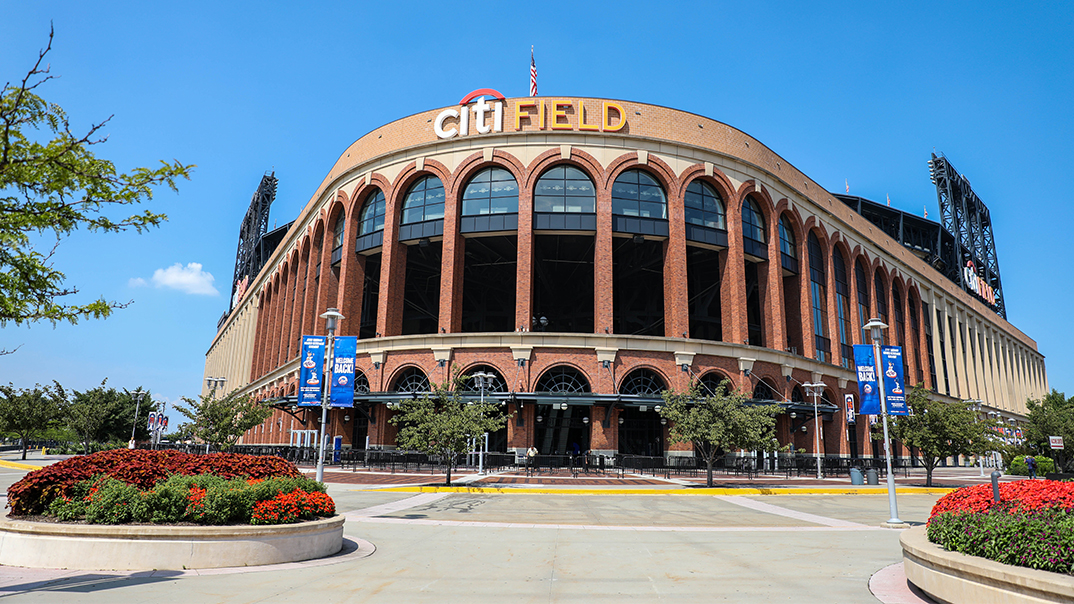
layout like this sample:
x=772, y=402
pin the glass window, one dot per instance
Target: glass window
x=864, y=314
x=337, y=232
x=787, y=244
x=371, y=219
x=565, y=189
x=817, y=276
x=842, y=299
x=490, y=191
x=424, y=201
x=881, y=298
x=753, y=225
x=636, y=193
x=704, y=206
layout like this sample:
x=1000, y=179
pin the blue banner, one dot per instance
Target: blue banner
x=311, y=370
x=342, y=394
x=894, y=386
x=868, y=389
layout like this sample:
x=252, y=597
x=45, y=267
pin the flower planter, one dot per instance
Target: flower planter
x=955, y=577
x=140, y=547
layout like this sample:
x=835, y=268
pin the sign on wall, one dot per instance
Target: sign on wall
x=342, y=393
x=311, y=370
x=531, y=113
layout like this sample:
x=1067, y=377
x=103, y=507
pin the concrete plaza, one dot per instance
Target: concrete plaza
x=549, y=544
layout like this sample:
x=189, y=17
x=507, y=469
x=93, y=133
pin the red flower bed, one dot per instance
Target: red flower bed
x=292, y=507
x=137, y=467
x=1015, y=497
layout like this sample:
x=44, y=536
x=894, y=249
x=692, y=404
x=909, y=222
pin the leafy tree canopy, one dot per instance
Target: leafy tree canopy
x=442, y=423
x=719, y=421
x=29, y=413
x=939, y=430
x=221, y=421
x=52, y=183
x=1052, y=415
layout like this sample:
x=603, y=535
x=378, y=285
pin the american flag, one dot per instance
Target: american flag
x=533, y=74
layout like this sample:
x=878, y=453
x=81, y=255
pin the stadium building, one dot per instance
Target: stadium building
x=591, y=253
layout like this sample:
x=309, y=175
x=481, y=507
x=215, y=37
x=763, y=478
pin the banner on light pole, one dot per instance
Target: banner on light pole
x=868, y=388
x=894, y=385
x=311, y=371
x=342, y=393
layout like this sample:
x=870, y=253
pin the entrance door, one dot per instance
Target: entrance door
x=641, y=432
x=560, y=430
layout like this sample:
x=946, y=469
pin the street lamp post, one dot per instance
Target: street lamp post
x=815, y=389
x=978, y=406
x=331, y=317
x=876, y=327
x=137, y=394
x=484, y=380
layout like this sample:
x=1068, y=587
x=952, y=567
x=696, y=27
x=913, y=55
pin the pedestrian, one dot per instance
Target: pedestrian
x=1031, y=463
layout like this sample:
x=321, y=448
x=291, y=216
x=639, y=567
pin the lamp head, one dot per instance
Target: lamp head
x=331, y=317
x=876, y=328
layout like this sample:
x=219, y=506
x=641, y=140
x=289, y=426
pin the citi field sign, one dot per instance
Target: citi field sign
x=485, y=116
x=978, y=285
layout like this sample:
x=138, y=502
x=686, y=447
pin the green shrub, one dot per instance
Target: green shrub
x=68, y=509
x=113, y=502
x=1042, y=540
x=1019, y=468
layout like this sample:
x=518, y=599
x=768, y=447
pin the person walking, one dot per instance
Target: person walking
x=1031, y=463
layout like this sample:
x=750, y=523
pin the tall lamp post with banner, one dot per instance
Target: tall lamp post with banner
x=814, y=390
x=880, y=381
x=331, y=317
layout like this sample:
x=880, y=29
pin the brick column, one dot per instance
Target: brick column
x=733, y=273
x=351, y=276
x=676, y=296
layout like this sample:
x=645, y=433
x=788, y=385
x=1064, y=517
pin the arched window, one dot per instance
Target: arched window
x=818, y=279
x=494, y=384
x=704, y=206
x=796, y=395
x=361, y=382
x=787, y=245
x=864, y=314
x=637, y=193
x=713, y=380
x=763, y=392
x=424, y=201
x=491, y=191
x=562, y=378
x=881, y=297
x=842, y=307
x=900, y=330
x=564, y=189
x=412, y=379
x=642, y=382
x=371, y=219
x=753, y=225
x=337, y=233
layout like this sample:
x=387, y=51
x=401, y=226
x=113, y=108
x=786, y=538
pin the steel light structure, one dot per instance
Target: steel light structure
x=331, y=317
x=815, y=389
x=876, y=329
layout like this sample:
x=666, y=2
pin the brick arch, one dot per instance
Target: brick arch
x=721, y=374
x=578, y=159
x=473, y=164
x=797, y=227
x=764, y=376
x=406, y=179
x=362, y=192
x=655, y=166
x=560, y=363
x=643, y=365
x=764, y=202
x=718, y=181
x=398, y=371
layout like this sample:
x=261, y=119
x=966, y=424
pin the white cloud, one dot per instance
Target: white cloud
x=136, y=282
x=189, y=279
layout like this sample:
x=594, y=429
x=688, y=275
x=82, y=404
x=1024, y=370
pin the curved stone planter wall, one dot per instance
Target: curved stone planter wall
x=141, y=547
x=954, y=577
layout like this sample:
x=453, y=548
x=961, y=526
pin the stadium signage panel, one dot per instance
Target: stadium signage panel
x=978, y=285
x=530, y=114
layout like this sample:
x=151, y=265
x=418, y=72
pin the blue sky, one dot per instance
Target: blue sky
x=845, y=92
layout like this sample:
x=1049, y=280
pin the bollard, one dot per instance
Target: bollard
x=995, y=485
x=856, y=476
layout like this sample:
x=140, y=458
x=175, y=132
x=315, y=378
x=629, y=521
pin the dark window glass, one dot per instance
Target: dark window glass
x=424, y=201
x=371, y=219
x=642, y=382
x=817, y=277
x=704, y=206
x=842, y=303
x=565, y=189
x=786, y=238
x=863, y=297
x=337, y=232
x=490, y=191
x=881, y=298
x=636, y=193
x=753, y=225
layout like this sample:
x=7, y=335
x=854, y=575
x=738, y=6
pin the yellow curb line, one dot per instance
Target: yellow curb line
x=698, y=491
x=17, y=466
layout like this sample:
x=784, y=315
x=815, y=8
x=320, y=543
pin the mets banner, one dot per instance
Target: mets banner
x=868, y=389
x=342, y=394
x=894, y=386
x=311, y=370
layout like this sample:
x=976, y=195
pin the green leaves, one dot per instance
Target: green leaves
x=29, y=412
x=221, y=421
x=57, y=185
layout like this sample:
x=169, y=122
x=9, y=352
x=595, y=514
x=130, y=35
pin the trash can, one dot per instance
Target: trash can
x=856, y=477
x=871, y=476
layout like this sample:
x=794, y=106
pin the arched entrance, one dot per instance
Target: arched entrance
x=562, y=428
x=641, y=431
x=493, y=385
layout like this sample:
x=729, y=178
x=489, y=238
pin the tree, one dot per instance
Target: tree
x=51, y=182
x=720, y=421
x=89, y=411
x=127, y=413
x=221, y=421
x=28, y=413
x=1052, y=415
x=441, y=423
x=940, y=430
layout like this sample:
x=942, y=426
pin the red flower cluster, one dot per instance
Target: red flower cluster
x=1015, y=497
x=141, y=468
x=292, y=507
x=195, y=507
